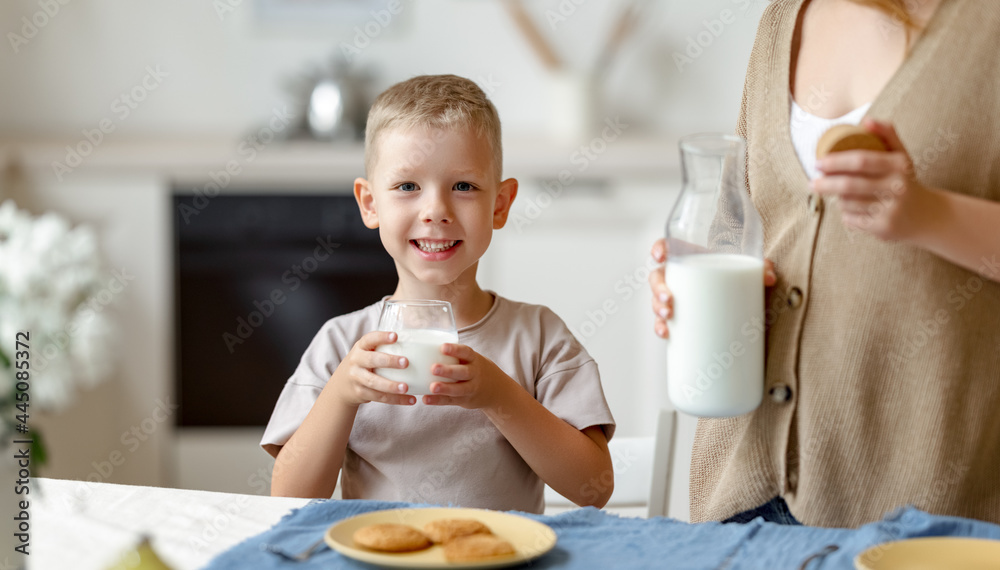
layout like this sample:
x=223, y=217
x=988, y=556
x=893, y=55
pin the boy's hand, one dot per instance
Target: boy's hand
x=663, y=300
x=475, y=379
x=355, y=382
x=878, y=191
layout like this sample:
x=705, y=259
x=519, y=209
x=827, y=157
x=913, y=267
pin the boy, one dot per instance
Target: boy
x=523, y=405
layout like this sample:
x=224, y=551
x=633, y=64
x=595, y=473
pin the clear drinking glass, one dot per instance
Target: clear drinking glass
x=715, y=271
x=421, y=327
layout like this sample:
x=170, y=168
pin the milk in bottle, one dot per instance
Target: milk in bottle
x=715, y=272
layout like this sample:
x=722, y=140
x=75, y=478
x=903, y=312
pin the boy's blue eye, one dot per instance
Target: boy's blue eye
x=407, y=187
x=464, y=187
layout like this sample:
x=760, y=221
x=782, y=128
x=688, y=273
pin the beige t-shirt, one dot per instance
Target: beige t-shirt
x=447, y=454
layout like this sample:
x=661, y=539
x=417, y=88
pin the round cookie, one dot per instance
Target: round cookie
x=476, y=547
x=445, y=530
x=389, y=537
x=847, y=137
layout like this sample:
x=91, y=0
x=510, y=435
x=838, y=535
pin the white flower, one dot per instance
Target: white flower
x=91, y=349
x=8, y=212
x=6, y=381
x=55, y=391
x=48, y=272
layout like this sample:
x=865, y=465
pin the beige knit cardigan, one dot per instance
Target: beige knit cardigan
x=883, y=360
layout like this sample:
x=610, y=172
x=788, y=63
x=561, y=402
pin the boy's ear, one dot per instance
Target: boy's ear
x=366, y=203
x=505, y=197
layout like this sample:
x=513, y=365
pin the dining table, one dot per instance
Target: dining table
x=84, y=525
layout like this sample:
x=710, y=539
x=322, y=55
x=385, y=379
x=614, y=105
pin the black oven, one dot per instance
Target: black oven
x=255, y=276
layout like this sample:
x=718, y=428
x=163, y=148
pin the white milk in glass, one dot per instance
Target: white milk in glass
x=423, y=349
x=715, y=353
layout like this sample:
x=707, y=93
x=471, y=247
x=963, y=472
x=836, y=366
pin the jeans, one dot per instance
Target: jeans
x=775, y=510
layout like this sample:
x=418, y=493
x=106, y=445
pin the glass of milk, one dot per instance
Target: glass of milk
x=715, y=271
x=421, y=327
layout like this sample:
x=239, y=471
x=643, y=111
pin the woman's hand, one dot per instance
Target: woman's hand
x=355, y=381
x=663, y=301
x=878, y=192
x=473, y=379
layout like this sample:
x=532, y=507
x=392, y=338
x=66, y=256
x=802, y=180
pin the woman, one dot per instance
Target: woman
x=882, y=373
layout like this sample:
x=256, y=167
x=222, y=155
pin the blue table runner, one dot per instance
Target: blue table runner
x=590, y=538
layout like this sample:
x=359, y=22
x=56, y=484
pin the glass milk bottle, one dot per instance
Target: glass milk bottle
x=715, y=271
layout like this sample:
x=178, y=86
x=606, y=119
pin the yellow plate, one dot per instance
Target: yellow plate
x=932, y=553
x=530, y=538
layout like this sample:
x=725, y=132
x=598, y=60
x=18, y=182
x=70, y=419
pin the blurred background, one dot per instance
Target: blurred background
x=211, y=147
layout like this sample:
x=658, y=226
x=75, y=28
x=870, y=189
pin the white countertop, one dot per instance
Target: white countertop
x=84, y=525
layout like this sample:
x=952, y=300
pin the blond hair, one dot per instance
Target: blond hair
x=437, y=101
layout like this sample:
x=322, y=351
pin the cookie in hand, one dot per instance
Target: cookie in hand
x=847, y=137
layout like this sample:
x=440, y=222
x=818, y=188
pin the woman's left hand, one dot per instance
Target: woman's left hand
x=878, y=192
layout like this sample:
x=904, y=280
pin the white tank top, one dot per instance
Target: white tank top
x=807, y=128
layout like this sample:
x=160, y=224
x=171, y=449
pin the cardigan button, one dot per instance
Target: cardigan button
x=780, y=393
x=794, y=298
x=815, y=203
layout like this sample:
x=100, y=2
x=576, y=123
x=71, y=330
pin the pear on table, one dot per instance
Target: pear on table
x=142, y=557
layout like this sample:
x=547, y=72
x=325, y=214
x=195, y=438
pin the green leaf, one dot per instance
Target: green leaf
x=5, y=363
x=39, y=454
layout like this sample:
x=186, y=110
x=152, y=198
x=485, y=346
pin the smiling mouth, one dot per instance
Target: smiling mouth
x=434, y=245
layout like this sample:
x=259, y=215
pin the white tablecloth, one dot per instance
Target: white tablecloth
x=81, y=525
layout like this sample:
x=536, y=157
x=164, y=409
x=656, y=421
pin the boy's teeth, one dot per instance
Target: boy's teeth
x=434, y=246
